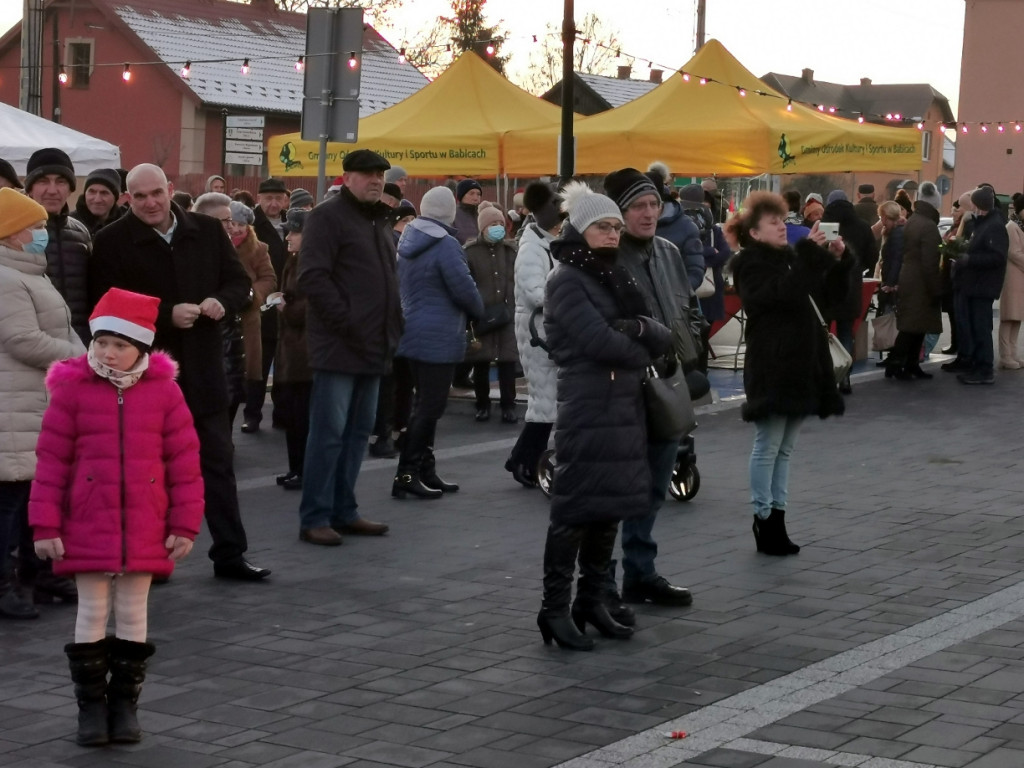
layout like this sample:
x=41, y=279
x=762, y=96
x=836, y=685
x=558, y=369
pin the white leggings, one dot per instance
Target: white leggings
x=130, y=592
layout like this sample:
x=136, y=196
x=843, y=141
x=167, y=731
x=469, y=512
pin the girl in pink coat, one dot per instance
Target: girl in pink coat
x=117, y=498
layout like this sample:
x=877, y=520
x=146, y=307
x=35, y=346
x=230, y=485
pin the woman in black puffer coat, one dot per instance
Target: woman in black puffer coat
x=787, y=372
x=602, y=341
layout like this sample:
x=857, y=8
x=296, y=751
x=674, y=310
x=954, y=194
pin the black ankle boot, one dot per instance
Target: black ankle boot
x=554, y=620
x=562, y=629
x=617, y=608
x=127, y=674
x=789, y=546
x=428, y=474
x=89, y=663
x=771, y=537
x=586, y=611
x=410, y=483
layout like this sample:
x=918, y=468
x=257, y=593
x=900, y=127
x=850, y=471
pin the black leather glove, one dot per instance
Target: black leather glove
x=632, y=328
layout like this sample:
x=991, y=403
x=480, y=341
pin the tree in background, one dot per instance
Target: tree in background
x=377, y=12
x=593, y=54
x=470, y=32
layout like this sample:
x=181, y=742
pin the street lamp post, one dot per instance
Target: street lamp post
x=566, y=165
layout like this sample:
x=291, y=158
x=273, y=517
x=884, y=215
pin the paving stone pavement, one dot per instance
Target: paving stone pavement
x=895, y=639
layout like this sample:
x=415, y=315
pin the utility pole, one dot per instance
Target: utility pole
x=567, y=142
x=30, y=92
x=701, y=13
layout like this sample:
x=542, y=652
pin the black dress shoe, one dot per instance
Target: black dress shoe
x=282, y=479
x=483, y=414
x=249, y=427
x=657, y=591
x=293, y=483
x=950, y=350
x=508, y=416
x=958, y=365
x=239, y=570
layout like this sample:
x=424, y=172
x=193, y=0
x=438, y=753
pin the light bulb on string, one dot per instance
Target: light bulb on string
x=821, y=107
x=897, y=116
x=401, y=55
x=888, y=116
x=186, y=70
x=789, y=106
x=920, y=127
x=741, y=91
x=686, y=77
x=62, y=76
x=963, y=128
x=353, y=62
x=126, y=75
x=984, y=128
x=534, y=38
x=832, y=110
x=1000, y=128
x=1017, y=127
x=703, y=81
x=490, y=49
x=245, y=67
x=300, y=64
x=860, y=118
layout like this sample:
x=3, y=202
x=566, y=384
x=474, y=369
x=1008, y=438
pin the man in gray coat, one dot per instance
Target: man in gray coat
x=658, y=268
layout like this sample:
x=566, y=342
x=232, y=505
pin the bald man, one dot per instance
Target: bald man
x=188, y=262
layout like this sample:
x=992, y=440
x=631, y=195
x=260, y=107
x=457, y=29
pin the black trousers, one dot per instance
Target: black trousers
x=506, y=384
x=432, y=380
x=385, y=407
x=216, y=462
x=255, y=396
x=293, y=404
x=532, y=442
x=906, y=350
x=403, y=391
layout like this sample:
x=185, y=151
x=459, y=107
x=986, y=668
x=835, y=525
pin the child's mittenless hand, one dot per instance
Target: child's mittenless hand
x=179, y=547
x=49, y=549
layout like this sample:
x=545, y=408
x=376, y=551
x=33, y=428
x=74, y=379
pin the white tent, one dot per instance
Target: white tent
x=21, y=134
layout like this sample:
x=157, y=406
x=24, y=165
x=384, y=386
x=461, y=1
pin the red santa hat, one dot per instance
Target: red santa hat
x=130, y=316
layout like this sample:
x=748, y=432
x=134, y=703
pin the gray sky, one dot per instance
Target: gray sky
x=909, y=41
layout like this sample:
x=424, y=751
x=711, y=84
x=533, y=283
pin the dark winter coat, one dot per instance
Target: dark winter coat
x=466, y=227
x=492, y=266
x=437, y=293
x=348, y=273
x=860, y=242
x=234, y=358
x=199, y=263
x=787, y=369
x=291, y=360
x=867, y=210
x=278, y=249
x=676, y=227
x=67, y=265
x=713, y=307
x=980, y=275
x=88, y=218
x=602, y=472
x=114, y=480
x=920, y=282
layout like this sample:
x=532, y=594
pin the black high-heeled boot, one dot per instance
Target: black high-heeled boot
x=554, y=619
x=408, y=480
x=590, y=607
x=428, y=474
x=771, y=537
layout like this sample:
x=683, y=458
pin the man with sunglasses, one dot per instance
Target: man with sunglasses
x=657, y=266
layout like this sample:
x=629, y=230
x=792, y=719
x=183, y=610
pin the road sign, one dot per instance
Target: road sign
x=243, y=158
x=255, y=134
x=334, y=60
x=245, y=121
x=232, y=145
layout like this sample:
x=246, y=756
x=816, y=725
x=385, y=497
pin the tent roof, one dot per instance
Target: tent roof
x=22, y=133
x=707, y=129
x=453, y=126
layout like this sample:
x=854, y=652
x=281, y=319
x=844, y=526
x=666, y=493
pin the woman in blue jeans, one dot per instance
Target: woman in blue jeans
x=787, y=373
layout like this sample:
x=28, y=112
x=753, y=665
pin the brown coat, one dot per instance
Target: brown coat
x=920, y=284
x=1011, y=300
x=492, y=266
x=291, y=361
x=255, y=259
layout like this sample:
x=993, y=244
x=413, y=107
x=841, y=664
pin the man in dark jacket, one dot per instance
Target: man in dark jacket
x=866, y=207
x=97, y=205
x=677, y=226
x=272, y=202
x=349, y=275
x=658, y=269
x=187, y=261
x=978, y=278
x=50, y=179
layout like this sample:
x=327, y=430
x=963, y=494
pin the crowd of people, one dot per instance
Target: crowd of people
x=367, y=312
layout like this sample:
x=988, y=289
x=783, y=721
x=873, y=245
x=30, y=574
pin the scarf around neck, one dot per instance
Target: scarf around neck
x=120, y=379
x=615, y=278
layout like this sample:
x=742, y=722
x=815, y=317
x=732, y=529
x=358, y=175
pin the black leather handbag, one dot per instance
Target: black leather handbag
x=670, y=414
x=495, y=316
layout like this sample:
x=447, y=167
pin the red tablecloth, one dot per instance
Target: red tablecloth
x=733, y=306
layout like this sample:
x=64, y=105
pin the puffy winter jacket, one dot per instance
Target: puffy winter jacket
x=114, y=479
x=437, y=293
x=67, y=264
x=533, y=263
x=676, y=227
x=35, y=331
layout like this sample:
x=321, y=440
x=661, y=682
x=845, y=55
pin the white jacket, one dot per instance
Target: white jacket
x=35, y=331
x=533, y=263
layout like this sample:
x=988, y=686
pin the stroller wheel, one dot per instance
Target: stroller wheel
x=546, y=472
x=685, y=482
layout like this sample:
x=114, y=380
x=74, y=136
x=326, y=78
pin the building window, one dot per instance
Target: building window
x=79, y=62
x=926, y=146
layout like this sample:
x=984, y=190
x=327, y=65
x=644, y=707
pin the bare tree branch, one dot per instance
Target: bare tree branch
x=594, y=53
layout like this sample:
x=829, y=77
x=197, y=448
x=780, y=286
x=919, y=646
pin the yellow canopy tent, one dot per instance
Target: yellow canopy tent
x=453, y=126
x=713, y=129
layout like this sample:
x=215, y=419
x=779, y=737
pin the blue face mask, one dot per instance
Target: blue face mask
x=40, y=239
x=495, y=232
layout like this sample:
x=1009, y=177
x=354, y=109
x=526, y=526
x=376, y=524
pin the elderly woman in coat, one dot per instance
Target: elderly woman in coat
x=919, y=296
x=1011, y=300
x=491, y=258
x=602, y=341
x=533, y=263
x=35, y=331
x=255, y=257
x=787, y=371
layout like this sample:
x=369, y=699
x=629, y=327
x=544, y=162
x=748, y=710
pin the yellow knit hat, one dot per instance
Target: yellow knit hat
x=18, y=212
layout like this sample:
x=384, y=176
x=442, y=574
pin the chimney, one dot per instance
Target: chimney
x=865, y=81
x=656, y=75
x=808, y=76
x=624, y=71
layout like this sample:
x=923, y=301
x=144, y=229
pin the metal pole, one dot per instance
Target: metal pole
x=566, y=166
x=56, y=67
x=701, y=12
x=325, y=111
x=224, y=145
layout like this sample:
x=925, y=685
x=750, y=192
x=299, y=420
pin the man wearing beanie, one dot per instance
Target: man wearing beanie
x=97, y=205
x=658, y=269
x=187, y=261
x=977, y=282
x=349, y=275
x=49, y=180
x=468, y=194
